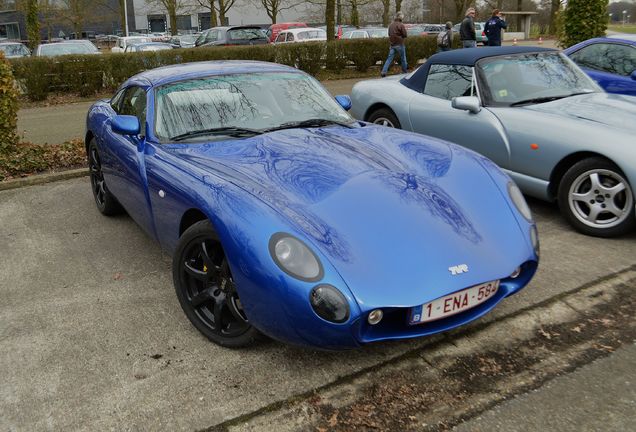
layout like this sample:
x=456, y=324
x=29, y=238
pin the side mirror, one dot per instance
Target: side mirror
x=126, y=125
x=344, y=101
x=633, y=75
x=467, y=103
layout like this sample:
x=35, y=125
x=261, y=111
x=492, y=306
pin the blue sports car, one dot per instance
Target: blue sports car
x=287, y=217
x=610, y=61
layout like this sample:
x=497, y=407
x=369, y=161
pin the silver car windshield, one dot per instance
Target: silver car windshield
x=532, y=78
x=255, y=101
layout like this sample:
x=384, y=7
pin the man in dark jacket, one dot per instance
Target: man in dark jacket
x=493, y=28
x=467, y=30
x=397, y=34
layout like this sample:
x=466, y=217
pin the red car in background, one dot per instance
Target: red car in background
x=274, y=29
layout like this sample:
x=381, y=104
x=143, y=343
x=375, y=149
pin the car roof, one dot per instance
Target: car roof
x=611, y=40
x=301, y=29
x=185, y=71
x=465, y=57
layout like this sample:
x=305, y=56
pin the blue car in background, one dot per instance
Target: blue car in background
x=285, y=216
x=610, y=61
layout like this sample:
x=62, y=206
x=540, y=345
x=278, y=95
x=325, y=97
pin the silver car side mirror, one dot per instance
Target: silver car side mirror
x=467, y=103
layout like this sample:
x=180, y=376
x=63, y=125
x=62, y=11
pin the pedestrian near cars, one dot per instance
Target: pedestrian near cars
x=467, y=30
x=445, y=38
x=493, y=28
x=397, y=34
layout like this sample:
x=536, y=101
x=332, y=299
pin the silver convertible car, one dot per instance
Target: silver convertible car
x=535, y=114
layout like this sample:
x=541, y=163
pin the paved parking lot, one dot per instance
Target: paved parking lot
x=93, y=337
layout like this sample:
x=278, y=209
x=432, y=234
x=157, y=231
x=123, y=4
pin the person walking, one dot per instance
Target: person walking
x=493, y=28
x=445, y=38
x=467, y=30
x=397, y=34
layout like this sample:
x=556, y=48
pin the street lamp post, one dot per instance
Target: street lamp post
x=125, y=18
x=610, y=18
x=624, y=13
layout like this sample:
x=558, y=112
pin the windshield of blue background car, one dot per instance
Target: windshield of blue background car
x=514, y=78
x=254, y=101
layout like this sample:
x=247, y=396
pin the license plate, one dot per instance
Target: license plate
x=453, y=303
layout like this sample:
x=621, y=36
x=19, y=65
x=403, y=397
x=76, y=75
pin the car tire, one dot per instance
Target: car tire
x=385, y=117
x=206, y=290
x=596, y=198
x=106, y=202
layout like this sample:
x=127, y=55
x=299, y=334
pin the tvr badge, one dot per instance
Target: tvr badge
x=458, y=269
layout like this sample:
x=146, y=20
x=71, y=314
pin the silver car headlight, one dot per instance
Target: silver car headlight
x=295, y=258
x=520, y=202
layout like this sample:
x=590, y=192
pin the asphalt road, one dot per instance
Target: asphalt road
x=93, y=337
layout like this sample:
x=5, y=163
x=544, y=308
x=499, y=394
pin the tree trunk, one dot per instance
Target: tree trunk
x=33, y=24
x=398, y=6
x=222, y=12
x=172, y=13
x=330, y=12
x=555, y=6
x=386, y=7
x=355, y=15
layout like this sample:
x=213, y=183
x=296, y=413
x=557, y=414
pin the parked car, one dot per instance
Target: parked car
x=480, y=32
x=286, y=216
x=14, y=49
x=306, y=34
x=184, y=41
x=339, y=30
x=124, y=41
x=148, y=46
x=274, y=29
x=237, y=35
x=78, y=46
x=611, y=62
x=366, y=33
x=425, y=29
x=534, y=113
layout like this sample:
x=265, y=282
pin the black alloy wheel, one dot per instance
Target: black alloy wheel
x=206, y=290
x=106, y=203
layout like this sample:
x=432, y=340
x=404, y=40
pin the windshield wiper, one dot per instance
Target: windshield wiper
x=317, y=122
x=228, y=130
x=538, y=100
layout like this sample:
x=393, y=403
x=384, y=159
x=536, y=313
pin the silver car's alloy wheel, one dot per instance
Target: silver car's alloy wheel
x=383, y=121
x=600, y=198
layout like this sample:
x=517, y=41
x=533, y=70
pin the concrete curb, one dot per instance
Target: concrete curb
x=43, y=178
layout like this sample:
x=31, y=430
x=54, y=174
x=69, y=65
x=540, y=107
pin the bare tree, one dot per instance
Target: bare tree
x=274, y=7
x=386, y=8
x=211, y=6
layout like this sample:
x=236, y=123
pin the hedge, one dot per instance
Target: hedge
x=8, y=107
x=90, y=74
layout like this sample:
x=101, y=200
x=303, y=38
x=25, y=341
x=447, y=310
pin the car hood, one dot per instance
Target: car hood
x=391, y=210
x=616, y=111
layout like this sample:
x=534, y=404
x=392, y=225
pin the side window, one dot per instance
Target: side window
x=280, y=37
x=134, y=103
x=591, y=56
x=116, y=101
x=211, y=36
x=290, y=37
x=621, y=59
x=448, y=81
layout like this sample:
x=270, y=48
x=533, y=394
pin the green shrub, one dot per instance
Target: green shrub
x=8, y=107
x=582, y=20
x=88, y=75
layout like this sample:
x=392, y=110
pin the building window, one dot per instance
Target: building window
x=184, y=22
x=7, y=5
x=9, y=31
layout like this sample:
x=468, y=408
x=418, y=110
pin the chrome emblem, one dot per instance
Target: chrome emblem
x=458, y=269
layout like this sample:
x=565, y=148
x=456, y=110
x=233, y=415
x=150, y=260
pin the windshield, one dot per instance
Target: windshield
x=156, y=47
x=312, y=34
x=57, y=49
x=255, y=101
x=536, y=77
x=14, y=50
x=378, y=33
x=246, y=34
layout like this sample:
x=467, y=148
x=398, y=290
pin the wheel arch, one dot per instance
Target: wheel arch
x=190, y=217
x=376, y=106
x=565, y=164
x=87, y=139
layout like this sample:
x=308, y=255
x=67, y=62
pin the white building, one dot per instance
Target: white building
x=194, y=17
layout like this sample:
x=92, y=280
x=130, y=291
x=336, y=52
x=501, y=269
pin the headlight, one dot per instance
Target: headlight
x=295, y=258
x=534, y=237
x=520, y=202
x=329, y=303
